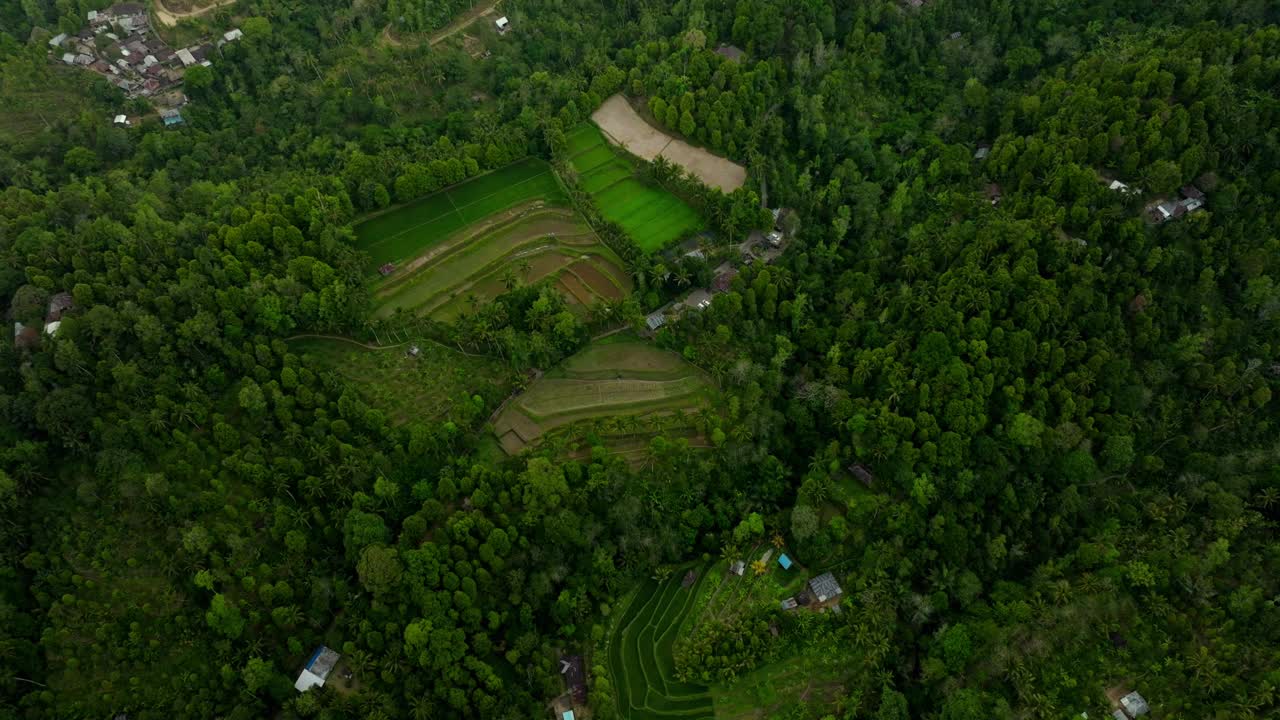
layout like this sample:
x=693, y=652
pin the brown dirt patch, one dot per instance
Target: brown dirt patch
x=596, y=280
x=624, y=126
x=576, y=288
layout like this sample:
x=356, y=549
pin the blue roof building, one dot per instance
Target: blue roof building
x=784, y=561
x=171, y=117
x=568, y=715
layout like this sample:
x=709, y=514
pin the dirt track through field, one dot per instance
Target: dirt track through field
x=624, y=126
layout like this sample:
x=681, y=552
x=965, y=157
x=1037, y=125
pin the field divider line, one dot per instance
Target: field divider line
x=448, y=197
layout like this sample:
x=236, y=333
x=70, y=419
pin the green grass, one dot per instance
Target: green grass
x=653, y=217
x=425, y=388
x=404, y=232
x=640, y=658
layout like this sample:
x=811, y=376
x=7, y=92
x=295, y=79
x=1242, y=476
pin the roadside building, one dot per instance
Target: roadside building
x=317, y=669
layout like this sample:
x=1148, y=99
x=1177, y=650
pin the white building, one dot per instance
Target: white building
x=503, y=24
x=317, y=669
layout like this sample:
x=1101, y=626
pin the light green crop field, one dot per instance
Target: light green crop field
x=402, y=233
x=407, y=388
x=614, y=378
x=653, y=217
x=640, y=658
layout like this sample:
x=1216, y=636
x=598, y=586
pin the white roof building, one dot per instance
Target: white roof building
x=232, y=35
x=186, y=57
x=69, y=58
x=57, y=40
x=51, y=329
x=502, y=23
x=121, y=120
x=317, y=669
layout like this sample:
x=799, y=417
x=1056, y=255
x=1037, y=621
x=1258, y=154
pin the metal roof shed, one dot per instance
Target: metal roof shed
x=784, y=561
x=317, y=669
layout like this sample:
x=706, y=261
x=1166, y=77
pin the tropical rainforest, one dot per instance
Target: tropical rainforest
x=1067, y=407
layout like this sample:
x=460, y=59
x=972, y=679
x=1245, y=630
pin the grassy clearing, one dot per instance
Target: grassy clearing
x=653, y=217
x=640, y=653
x=522, y=245
x=427, y=387
x=404, y=232
x=621, y=378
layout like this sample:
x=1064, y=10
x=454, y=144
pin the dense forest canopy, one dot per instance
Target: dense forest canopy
x=1067, y=405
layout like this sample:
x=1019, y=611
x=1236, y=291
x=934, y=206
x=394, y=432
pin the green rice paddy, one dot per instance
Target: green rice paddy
x=653, y=217
x=640, y=658
x=404, y=232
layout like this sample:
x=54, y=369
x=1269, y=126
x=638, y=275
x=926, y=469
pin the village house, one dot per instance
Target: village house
x=863, y=473
x=993, y=193
x=503, y=25
x=573, y=670
x=983, y=151
x=825, y=588
x=730, y=53
x=317, y=669
x=1134, y=705
x=724, y=275
x=738, y=567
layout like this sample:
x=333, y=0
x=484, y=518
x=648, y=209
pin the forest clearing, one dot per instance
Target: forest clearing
x=620, y=122
x=631, y=385
x=652, y=216
x=640, y=658
x=435, y=384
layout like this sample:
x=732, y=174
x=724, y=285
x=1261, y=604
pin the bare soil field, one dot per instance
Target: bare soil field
x=624, y=126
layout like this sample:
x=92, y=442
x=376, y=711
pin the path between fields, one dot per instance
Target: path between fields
x=169, y=18
x=315, y=336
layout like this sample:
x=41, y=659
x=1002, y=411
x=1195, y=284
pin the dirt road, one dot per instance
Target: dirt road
x=169, y=18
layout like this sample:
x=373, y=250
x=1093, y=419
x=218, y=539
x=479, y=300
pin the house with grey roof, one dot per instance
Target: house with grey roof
x=824, y=587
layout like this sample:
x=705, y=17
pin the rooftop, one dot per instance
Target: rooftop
x=825, y=587
x=317, y=669
x=729, y=52
x=784, y=561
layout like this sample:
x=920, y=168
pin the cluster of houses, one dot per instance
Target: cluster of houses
x=27, y=337
x=819, y=593
x=758, y=247
x=118, y=44
x=1191, y=200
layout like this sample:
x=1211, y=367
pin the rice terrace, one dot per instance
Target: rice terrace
x=640, y=652
x=653, y=217
x=470, y=243
x=622, y=379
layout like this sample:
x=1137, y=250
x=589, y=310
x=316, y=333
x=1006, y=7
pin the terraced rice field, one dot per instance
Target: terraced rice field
x=640, y=658
x=401, y=234
x=653, y=217
x=616, y=378
x=524, y=244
